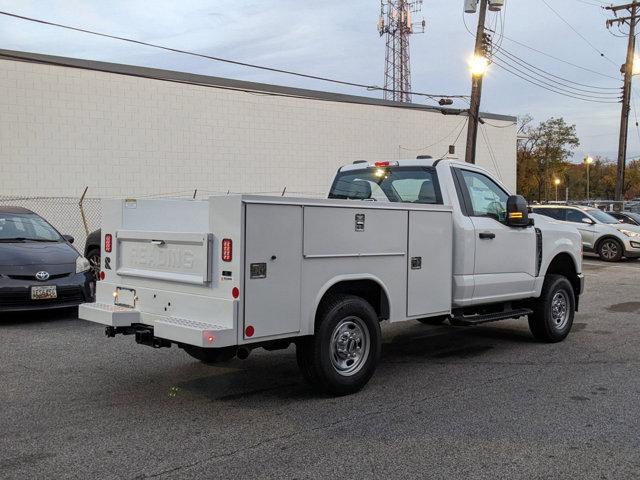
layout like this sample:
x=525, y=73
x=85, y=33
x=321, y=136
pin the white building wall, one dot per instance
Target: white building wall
x=63, y=128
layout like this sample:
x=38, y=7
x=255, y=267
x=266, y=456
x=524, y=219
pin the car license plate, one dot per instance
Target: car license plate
x=43, y=293
x=125, y=297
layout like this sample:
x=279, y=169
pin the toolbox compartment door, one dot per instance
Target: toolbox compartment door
x=169, y=256
x=429, y=265
x=272, y=271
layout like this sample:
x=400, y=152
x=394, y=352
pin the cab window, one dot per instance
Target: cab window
x=487, y=198
x=388, y=184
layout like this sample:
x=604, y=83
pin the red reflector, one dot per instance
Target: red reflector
x=249, y=331
x=382, y=164
x=227, y=250
x=102, y=275
x=108, y=243
x=208, y=336
x=235, y=292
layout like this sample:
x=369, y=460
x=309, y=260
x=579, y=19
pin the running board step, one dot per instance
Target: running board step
x=463, y=321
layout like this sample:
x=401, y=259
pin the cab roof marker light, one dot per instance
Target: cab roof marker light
x=385, y=164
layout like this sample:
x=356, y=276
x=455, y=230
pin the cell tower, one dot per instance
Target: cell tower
x=396, y=22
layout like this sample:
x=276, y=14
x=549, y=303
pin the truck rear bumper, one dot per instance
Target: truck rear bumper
x=174, y=329
x=109, y=315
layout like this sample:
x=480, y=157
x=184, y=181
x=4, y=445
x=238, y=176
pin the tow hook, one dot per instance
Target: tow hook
x=145, y=337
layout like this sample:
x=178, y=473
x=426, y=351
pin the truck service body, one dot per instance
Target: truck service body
x=410, y=240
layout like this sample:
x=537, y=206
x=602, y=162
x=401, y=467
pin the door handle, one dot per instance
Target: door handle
x=487, y=235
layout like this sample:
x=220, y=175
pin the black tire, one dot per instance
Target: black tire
x=610, y=250
x=551, y=322
x=94, y=260
x=433, y=320
x=210, y=356
x=347, y=326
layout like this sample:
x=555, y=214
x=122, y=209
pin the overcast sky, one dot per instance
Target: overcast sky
x=338, y=38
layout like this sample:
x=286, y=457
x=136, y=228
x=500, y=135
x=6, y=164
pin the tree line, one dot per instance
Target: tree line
x=545, y=160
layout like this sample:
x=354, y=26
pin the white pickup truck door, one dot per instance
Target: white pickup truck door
x=505, y=257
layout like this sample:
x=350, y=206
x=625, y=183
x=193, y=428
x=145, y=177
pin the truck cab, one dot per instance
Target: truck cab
x=493, y=261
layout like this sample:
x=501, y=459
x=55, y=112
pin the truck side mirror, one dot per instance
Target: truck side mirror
x=517, y=212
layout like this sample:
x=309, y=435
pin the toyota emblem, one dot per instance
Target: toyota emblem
x=42, y=276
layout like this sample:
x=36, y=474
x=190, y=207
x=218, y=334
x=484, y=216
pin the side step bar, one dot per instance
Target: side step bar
x=465, y=321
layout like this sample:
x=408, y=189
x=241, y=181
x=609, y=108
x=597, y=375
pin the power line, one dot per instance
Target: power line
x=464, y=124
x=526, y=79
x=433, y=97
x=491, y=153
x=595, y=72
x=499, y=126
x=547, y=73
x=590, y=3
x=556, y=86
x=436, y=142
x=577, y=32
x=249, y=91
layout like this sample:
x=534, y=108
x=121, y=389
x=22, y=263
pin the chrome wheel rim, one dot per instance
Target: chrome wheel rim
x=560, y=310
x=94, y=262
x=350, y=345
x=609, y=250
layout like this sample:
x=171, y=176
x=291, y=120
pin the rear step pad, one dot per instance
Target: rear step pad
x=195, y=333
x=463, y=321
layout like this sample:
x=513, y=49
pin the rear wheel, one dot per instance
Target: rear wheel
x=210, y=356
x=94, y=261
x=553, y=312
x=610, y=250
x=344, y=352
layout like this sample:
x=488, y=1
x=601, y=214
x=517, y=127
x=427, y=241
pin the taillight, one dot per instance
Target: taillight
x=381, y=164
x=227, y=250
x=108, y=243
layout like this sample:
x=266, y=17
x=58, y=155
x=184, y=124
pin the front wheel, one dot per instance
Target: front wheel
x=610, y=250
x=553, y=312
x=344, y=352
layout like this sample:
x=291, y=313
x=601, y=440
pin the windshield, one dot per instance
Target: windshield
x=26, y=227
x=388, y=184
x=634, y=216
x=602, y=217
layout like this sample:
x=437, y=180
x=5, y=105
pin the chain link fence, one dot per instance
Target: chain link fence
x=69, y=215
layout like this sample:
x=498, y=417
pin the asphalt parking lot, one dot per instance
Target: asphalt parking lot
x=483, y=402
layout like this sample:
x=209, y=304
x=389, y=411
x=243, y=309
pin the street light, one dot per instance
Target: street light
x=478, y=65
x=588, y=160
x=556, y=183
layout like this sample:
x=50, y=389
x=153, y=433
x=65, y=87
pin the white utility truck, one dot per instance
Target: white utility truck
x=410, y=240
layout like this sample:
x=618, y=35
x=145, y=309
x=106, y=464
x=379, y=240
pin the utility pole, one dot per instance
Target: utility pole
x=627, y=69
x=476, y=86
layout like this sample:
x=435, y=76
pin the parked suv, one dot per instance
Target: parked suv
x=601, y=233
